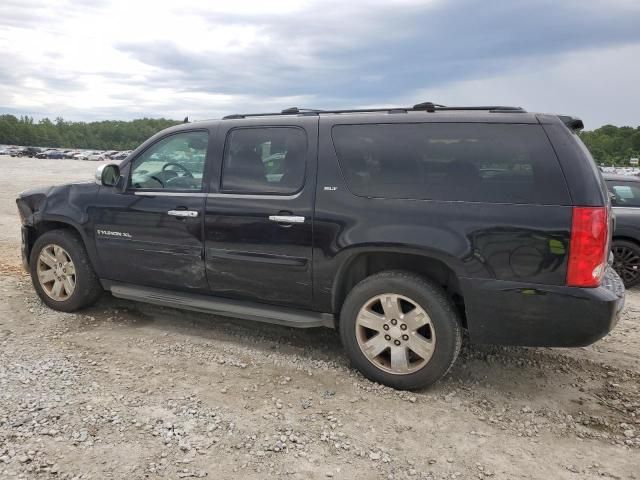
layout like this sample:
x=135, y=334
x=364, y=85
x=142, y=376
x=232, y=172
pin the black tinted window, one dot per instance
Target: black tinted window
x=464, y=161
x=624, y=194
x=264, y=160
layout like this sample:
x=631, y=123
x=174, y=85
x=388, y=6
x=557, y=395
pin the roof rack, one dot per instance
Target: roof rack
x=300, y=110
x=425, y=106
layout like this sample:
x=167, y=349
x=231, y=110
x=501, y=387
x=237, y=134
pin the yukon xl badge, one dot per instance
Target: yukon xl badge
x=110, y=233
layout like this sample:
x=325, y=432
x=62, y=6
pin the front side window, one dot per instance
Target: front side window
x=174, y=163
x=264, y=160
x=624, y=194
x=473, y=162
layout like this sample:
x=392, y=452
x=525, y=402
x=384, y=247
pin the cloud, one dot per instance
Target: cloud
x=597, y=85
x=122, y=59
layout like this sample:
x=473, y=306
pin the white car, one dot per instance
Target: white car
x=96, y=157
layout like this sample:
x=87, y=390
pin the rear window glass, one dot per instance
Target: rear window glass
x=265, y=160
x=501, y=163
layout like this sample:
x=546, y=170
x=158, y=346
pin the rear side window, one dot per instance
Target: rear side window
x=500, y=163
x=624, y=194
x=264, y=160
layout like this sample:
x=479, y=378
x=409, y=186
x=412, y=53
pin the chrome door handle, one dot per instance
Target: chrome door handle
x=183, y=213
x=286, y=219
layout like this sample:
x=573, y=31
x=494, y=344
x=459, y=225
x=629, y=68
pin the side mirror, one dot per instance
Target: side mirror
x=108, y=175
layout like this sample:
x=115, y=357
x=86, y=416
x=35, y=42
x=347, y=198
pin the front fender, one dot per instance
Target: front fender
x=64, y=206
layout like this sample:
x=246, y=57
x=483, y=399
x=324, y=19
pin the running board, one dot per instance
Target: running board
x=289, y=317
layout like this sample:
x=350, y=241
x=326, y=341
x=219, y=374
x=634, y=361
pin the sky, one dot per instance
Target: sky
x=123, y=59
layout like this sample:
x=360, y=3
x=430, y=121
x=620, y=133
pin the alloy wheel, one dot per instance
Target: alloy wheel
x=56, y=272
x=395, y=334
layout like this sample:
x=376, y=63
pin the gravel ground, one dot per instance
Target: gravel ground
x=126, y=390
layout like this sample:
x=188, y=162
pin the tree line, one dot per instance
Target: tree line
x=104, y=135
x=609, y=145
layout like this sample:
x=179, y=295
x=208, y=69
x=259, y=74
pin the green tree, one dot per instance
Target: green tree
x=611, y=145
x=104, y=135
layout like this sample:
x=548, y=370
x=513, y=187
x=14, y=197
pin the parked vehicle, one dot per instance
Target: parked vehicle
x=625, y=199
x=43, y=153
x=51, y=153
x=121, y=156
x=96, y=157
x=81, y=156
x=400, y=227
x=23, y=151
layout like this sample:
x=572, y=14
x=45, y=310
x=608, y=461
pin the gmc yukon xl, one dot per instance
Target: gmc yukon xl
x=399, y=227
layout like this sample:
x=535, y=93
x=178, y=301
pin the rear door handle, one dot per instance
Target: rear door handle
x=183, y=213
x=286, y=219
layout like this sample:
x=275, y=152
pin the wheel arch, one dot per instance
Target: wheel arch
x=36, y=230
x=626, y=238
x=364, y=263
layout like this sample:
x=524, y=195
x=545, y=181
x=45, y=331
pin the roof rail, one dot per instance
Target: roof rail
x=299, y=110
x=425, y=106
x=428, y=106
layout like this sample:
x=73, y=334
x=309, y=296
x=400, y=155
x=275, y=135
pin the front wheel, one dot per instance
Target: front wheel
x=61, y=272
x=400, y=329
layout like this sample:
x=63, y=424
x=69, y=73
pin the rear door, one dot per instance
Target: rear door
x=259, y=214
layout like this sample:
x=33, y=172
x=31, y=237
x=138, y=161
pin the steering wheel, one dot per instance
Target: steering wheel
x=158, y=180
x=181, y=167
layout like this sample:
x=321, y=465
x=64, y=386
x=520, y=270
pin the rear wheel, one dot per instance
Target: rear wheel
x=61, y=272
x=626, y=261
x=400, y=330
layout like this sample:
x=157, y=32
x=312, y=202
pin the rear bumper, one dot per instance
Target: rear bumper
x=514, y=313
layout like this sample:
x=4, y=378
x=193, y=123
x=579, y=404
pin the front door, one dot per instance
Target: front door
x=151, y=232
x=259, y=214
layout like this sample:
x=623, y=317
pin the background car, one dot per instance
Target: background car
x=24, y=151
x=121, y=156
x=51, y=153
x=625, y=245
x=56, y=154
x=96, y=157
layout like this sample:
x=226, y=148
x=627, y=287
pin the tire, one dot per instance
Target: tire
x=407, y=290
x=626, y=261
x=63, y=246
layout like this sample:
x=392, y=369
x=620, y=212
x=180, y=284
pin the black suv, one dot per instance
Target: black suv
x=400, y=227
x=26, y=152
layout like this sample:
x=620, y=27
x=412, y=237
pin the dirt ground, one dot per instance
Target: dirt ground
x=132, y=391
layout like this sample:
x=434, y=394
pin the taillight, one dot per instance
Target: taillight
x=588, y=247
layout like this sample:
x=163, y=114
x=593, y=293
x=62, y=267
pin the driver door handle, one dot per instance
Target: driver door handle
x=183, y=213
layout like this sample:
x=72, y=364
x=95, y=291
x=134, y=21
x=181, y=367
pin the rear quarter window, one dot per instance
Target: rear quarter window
x=496, y=163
